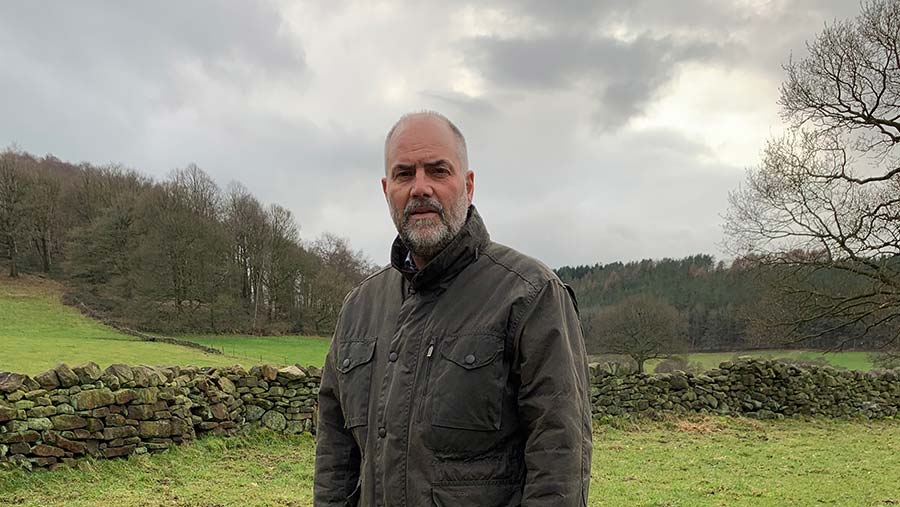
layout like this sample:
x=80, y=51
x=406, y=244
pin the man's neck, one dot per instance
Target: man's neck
x=419, y=261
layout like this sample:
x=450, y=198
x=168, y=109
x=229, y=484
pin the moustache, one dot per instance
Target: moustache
x=419, y=205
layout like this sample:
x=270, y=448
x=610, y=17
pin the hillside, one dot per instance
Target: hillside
x=713, y=298
x=726, y=307
x=37, y=332
x=179, y=255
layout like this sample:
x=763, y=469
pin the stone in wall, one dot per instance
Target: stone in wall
x=65, y=413
x=752, y=388
x=55, y=417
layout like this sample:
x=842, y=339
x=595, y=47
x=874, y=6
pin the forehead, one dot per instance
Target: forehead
x=421, y=137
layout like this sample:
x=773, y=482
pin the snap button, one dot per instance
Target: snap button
x=382, y=432
x=346, y=362
x=392, y=357
x=470, y=359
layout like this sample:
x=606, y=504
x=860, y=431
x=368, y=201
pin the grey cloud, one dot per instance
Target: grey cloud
x=144, y=45
x=623, y=76
x=203, y=81
x=93, y=80
x=666, y=16
x=465, y=104
x=766, y=32
x=633, y=195
x=156, y=86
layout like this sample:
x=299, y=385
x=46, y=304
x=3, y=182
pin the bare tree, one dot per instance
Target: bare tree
x=826, y=196
x=339, y=268
x=44, y=216
x=183, y=251
x=13, y=210
x=246, y=222
x=641, y=327
x=281, y=259
x=200, y=192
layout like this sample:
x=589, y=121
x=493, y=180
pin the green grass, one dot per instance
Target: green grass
x=37, y=332
x=849, y=360
x=281, y=350
x=692, y=462
x=257, y=469
x=739, y=462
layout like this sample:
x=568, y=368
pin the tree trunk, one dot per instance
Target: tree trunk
x=13, y=253
x=40, y=245
x=45, y=254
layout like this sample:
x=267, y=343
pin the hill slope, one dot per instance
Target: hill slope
x=37, y=332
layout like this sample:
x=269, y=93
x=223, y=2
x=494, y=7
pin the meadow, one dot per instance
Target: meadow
x=37, y=332
x=282, y=350
x=851, y=360
x=702, y=462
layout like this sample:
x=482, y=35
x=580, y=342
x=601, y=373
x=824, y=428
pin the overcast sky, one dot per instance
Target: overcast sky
x=598, y=130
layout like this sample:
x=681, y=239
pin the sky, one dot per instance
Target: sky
x=598, y=131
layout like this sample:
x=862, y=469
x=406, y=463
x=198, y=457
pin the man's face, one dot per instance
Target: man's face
x=427, y=189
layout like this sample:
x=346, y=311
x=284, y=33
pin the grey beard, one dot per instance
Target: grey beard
x=427, y=239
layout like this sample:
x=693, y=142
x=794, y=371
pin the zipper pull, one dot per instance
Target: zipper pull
x=430, y=350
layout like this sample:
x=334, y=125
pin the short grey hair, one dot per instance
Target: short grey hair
x=461, y=147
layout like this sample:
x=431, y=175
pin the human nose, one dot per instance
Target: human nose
x=421, y=185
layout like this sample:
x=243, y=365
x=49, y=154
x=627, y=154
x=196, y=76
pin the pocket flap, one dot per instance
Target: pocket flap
x=477, y=494
x=472, y=351
x=354, y=353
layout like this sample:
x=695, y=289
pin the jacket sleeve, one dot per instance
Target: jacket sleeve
x=554, y=400
x=337, y=454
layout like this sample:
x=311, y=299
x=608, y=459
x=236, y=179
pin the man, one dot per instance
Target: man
x=457, y=375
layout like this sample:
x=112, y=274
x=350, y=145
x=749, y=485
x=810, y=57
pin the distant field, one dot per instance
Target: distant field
x=701, y=462
x=850, y=360
x=37, y=332
x=282, y=350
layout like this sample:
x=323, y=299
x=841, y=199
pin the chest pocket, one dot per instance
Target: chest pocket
x=354, y=365
x=468, y=383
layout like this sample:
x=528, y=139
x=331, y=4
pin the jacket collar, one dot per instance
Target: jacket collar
x=461, y=251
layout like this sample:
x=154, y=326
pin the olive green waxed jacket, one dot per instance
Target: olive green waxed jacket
x=463, y=384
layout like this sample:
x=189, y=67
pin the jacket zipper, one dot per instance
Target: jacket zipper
x=429, y=352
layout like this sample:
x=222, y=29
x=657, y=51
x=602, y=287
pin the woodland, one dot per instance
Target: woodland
x=170, y=256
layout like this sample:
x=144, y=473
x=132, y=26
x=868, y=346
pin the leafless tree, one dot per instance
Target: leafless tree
x=246, y=222
x=339, y=268
x=281, y=258
x=826, y=196
x=641, y=327
x=44, y=214
x=13, y=206
x=201, y=193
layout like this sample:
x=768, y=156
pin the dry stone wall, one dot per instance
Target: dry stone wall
x=66, y=413
x=750, y=388
x=52, y=419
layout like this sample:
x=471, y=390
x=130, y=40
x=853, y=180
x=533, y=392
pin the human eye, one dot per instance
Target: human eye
x=441, y=170
x=402, y=173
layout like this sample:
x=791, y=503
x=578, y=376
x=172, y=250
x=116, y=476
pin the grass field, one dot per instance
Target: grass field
x=283, y=350
x=37, y=332
x=695, y=462
x=700, y=462
x=850, y=360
